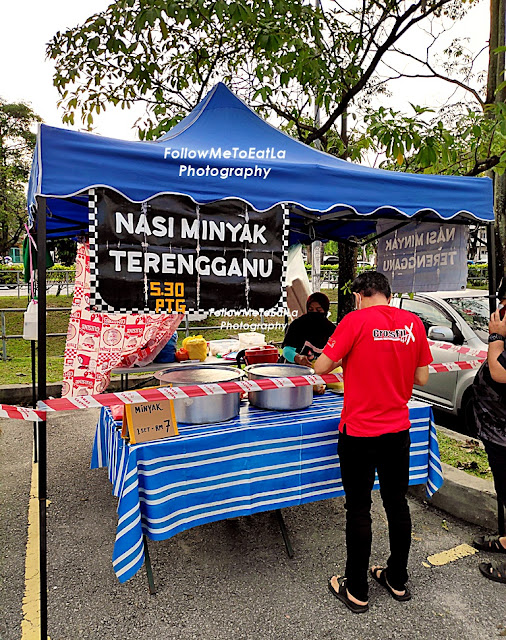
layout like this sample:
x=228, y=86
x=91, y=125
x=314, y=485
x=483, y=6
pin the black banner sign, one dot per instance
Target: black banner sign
x=171, y=255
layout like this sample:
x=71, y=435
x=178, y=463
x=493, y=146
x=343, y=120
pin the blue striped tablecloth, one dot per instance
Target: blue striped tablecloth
x=259, y=461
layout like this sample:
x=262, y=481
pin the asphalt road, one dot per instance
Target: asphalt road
x=229, y=580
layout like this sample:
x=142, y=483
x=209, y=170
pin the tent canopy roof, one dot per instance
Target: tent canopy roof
x=222, y=150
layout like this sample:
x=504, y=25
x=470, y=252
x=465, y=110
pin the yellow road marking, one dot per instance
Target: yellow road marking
x=444, y=557
x=30, y=625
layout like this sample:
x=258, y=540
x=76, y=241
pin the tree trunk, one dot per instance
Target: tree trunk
x=347, y=254
x=496, y=68
x=347, y=273
x=500, y=224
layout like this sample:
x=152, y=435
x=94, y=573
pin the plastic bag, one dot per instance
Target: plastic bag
x=30, y=321
x=251, y=339
x=338, y=386
x=196, y=347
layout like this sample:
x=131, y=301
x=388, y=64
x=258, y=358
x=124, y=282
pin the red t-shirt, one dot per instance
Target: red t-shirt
x=381, y=347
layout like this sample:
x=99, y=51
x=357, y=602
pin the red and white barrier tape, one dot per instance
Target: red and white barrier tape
x=194, y=391
x=191, y=391
x=21, y=413
x=477, y=353
x=443, y=367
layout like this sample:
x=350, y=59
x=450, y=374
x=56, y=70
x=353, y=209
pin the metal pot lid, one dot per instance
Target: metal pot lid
x=279, y=370
x=181, y=375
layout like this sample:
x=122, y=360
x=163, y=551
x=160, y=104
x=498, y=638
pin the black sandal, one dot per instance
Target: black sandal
x=379, y=574
x=489, y=543
x=497, y=572
x=342, y=595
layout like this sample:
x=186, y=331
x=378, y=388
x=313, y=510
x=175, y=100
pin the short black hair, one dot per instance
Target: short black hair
x=370, y=282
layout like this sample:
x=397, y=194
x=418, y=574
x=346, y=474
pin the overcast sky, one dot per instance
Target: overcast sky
x=27, y=25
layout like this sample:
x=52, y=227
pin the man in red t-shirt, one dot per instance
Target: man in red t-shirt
x=383, y=351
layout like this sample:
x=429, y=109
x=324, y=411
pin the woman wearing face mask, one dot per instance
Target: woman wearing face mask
x=307, y=335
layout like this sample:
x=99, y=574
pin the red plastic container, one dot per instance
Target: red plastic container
x=259, y=355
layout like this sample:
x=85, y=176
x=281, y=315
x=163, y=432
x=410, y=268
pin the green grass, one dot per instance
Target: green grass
x=17, y=368
x=466, y=455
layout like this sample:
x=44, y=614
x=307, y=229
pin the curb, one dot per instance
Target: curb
x=462, y=495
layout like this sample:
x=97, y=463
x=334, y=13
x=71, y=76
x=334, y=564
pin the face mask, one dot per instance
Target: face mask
x=358, y=301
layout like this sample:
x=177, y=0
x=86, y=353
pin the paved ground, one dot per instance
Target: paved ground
x=229, y=580
x=23, y=290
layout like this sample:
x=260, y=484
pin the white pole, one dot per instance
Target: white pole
x=316, y=247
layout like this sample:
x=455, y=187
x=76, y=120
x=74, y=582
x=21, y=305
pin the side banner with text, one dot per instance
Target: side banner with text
x=423, y=256
x=171, y=255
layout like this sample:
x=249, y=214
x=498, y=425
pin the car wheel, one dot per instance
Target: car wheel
x=467, y=414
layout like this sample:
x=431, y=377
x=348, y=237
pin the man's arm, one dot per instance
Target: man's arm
x=497, y=370
x=421, y=375
x=325, y=365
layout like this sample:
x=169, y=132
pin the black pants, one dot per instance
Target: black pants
x=360, y=457
x=497, y=461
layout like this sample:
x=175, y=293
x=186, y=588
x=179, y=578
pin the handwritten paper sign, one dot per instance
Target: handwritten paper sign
x=149, y=421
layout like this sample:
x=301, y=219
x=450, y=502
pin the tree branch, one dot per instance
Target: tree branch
x=484, y=165
x=394, y=35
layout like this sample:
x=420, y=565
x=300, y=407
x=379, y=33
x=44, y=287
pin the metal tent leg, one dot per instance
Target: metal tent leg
x=41, y=395
x=284, y=533
x=149, y=569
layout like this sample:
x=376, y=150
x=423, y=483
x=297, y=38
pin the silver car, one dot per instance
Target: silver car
x=460, y=318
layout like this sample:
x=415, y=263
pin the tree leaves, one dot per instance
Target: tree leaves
x=286, y=51
x=17, y=142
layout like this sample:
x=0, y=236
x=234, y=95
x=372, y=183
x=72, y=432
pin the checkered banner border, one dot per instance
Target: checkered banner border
x=98, y=304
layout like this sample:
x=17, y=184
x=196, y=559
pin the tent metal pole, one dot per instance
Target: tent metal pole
x=41, y=395
x=492, y=277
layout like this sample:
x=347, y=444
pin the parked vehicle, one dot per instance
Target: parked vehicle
x=460, y=318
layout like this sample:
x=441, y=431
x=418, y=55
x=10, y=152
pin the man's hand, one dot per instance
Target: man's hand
x=303, y=361
x=496, y=325
x=325, y=365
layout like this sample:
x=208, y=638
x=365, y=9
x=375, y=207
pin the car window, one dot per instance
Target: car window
x=475, y=312
x=428, y=314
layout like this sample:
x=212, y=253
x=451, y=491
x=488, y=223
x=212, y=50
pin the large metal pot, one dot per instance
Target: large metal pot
x=204, y=409
x=280, y=399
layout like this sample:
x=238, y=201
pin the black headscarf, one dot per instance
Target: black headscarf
x=321, y=299
x=312, y=327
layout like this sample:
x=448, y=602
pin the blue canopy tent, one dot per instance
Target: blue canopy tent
x=224, y=150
